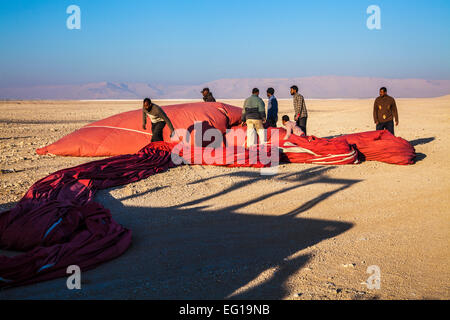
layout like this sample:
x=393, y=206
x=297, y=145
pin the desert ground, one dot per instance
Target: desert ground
x=307, y=232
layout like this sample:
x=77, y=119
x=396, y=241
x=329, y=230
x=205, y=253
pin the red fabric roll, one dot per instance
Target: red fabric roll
x=381, y=146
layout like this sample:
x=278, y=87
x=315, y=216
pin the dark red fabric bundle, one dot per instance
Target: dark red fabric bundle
x=381, y=146
x=60, y=224
x=371, y=146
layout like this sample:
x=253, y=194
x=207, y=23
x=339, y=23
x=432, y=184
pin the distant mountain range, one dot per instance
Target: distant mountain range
x=321, y=87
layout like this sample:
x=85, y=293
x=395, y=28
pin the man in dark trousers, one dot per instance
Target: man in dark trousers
x=272, y=108
x=207, y=95
x=385, y=111
x=301, y=114
x=158, y=118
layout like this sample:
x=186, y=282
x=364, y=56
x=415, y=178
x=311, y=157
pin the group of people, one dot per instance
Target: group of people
x=255, y=117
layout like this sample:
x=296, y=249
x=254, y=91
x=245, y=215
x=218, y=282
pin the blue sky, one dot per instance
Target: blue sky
x=194, y=41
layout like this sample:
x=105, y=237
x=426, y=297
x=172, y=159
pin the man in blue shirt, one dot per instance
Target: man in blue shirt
x=272, y=108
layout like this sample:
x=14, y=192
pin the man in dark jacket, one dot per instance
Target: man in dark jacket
x=272, y=108
x=158, y=118
x=207, y=95
x=254, y=115
x=385, y=111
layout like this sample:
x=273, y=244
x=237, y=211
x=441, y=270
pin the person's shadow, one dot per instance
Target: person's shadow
x=421, y=141
x=191, y=252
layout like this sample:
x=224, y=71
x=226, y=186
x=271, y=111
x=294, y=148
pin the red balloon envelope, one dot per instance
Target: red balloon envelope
x=123, y=133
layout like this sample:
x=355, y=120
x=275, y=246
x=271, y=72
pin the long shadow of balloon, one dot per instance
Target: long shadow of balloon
x=196, y=253
x=304, y=176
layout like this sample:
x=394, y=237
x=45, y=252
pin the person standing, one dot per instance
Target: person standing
x=158, y=118
x=385, y=111
x=254, y=115
x=207, y=95
x=272, y=108
x=301, y=114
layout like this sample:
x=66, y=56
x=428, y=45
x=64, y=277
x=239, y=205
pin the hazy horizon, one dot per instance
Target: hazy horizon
x=192, y=42
x=324, y=87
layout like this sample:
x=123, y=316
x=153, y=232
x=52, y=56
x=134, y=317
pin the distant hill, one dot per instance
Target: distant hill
x=324, y=87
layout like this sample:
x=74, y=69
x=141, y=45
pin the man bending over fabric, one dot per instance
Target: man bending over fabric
x=254, y=114
x=158, y=118
x=291, y=127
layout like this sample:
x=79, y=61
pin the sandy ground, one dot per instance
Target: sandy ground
x=309, y=232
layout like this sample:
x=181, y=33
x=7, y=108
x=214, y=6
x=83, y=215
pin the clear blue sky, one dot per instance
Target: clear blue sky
x=193, y=41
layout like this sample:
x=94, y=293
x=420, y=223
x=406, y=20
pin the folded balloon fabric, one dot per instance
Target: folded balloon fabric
x=58, y=223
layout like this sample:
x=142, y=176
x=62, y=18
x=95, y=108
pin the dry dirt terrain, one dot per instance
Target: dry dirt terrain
x=308, y=232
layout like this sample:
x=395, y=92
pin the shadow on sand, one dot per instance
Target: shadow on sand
x=418, y=142
x=191, y=252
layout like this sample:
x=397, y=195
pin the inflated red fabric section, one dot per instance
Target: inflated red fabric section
x=59, y=224
x=381, y=146
x=123, y=133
